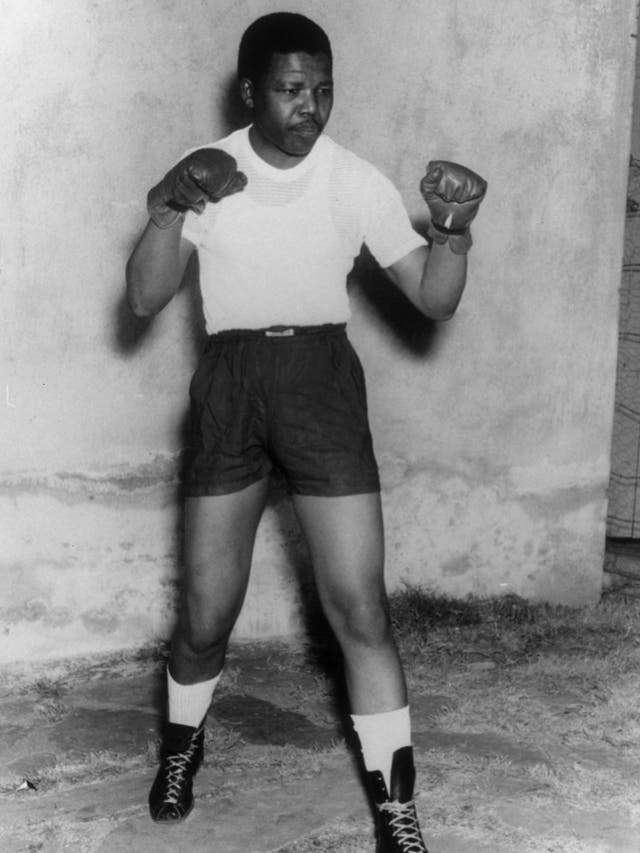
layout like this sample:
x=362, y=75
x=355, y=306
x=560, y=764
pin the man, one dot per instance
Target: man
x=277, y=213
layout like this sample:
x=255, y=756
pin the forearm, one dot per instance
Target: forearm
x=453, y=194
x=442, y=284
x=155, y=269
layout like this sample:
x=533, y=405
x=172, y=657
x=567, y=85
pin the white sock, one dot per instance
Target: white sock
x=380, y=736
x=189, y=703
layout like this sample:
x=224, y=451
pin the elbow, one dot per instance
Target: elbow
x=438, y=313
x=437, y=305
x=136, y=304
x=442, y=318
x=137, y=308
x=145, y=304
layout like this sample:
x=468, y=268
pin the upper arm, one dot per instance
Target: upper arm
x=406, y=273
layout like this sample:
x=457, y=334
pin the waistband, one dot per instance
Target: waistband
x=278, y=332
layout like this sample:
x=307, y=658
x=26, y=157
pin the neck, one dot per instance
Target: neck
x=271, y=154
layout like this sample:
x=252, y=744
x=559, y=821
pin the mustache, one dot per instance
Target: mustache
x=308, y=122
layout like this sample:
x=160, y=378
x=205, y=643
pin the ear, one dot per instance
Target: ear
x=247, y=92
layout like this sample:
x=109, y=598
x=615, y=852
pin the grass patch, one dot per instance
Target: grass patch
x=508, y=628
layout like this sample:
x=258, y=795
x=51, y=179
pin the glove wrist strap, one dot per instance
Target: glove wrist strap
x=162, y=214
x=459, y=240
x=448, y=231
x=165, y=219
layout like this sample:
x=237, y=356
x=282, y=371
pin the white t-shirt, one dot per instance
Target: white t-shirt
x=279, y=252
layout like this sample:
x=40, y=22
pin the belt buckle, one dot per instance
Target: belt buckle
x=279, y=333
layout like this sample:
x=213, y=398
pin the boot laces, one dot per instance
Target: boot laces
x=403, y=822
x=177, y=767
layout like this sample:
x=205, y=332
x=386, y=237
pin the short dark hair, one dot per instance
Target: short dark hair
x=279, y=32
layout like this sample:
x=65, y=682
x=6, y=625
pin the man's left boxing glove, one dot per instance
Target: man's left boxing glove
x=453, y=194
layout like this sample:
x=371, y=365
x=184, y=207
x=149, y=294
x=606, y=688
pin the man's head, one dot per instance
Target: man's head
x=280, y=32
x=285, y=73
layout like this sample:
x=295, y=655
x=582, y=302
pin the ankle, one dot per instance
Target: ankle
x=189, y=703
x=381, y=736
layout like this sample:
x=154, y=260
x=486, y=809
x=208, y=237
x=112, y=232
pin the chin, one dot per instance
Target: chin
x=303, y=147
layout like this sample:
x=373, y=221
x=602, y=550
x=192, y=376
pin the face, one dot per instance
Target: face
x=291, y=105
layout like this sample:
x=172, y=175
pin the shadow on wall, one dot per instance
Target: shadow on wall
x=411, y=330
x=232, y=113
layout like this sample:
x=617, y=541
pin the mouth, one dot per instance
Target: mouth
x=307, y=128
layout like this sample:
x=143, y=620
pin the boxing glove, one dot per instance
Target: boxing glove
x=453, y=194
x=207, y=174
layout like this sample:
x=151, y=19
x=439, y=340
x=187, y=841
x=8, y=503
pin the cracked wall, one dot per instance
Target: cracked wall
x=492, y=430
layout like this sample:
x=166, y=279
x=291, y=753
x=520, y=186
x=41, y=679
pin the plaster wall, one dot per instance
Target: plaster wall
x=492, y=430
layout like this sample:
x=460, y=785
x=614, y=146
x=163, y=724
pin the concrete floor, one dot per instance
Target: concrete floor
x=78, y=747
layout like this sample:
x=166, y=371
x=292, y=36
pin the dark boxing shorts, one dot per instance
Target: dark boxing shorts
x=290, y=400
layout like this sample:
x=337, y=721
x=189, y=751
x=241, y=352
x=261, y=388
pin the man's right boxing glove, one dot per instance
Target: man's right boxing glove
x=207, y=174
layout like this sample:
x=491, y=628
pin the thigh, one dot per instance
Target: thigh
x=346, y=542
x=219, y=535
x=226, y=440
x=321, y=437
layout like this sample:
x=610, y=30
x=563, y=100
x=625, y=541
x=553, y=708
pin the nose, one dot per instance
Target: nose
x=309, y=104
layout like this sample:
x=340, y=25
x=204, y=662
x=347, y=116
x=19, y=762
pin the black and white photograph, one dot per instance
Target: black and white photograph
x=320, y=426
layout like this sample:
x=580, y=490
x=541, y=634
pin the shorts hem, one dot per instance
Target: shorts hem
x=330, y=490
x=209, y=490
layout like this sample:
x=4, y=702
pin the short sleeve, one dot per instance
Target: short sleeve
x=388, y=232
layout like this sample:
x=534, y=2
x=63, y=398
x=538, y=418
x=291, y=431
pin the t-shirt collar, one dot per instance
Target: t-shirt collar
x=272, y=172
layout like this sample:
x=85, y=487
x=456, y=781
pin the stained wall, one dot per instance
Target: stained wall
x=492, y=430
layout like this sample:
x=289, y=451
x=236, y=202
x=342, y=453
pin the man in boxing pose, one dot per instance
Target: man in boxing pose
x=277, y=213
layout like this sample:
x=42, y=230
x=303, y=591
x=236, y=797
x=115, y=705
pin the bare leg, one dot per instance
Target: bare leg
x=219, y=537
x=346, y=540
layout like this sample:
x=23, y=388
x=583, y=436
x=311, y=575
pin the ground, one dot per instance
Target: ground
x=527, y=736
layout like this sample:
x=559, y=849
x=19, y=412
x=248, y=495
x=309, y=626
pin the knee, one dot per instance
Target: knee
x=203, y=635
x=199, y=643
x=365, y=621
